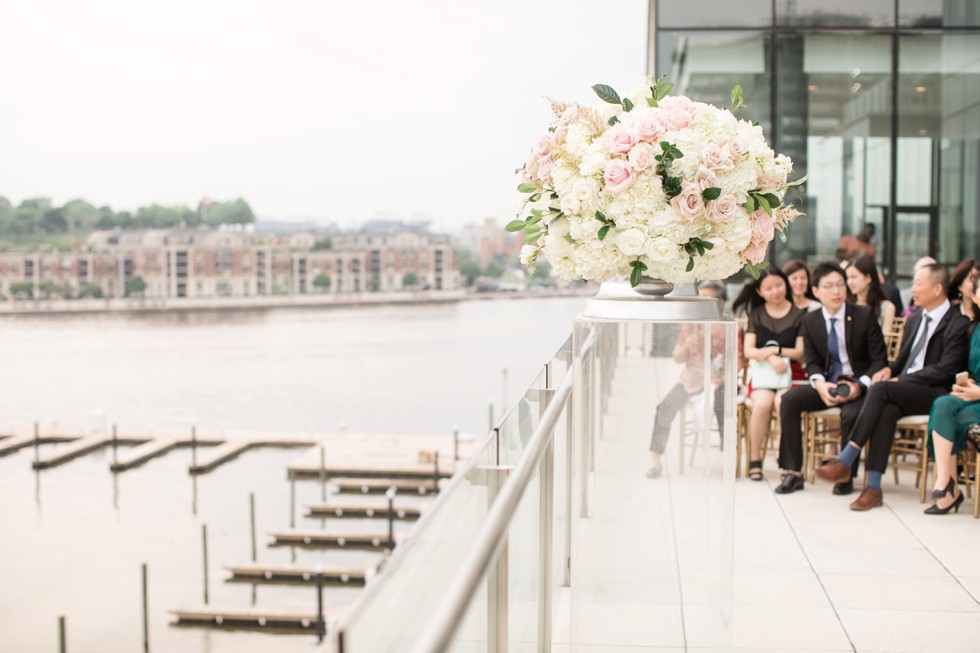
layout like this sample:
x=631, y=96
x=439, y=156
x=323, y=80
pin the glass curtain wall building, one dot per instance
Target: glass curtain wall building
x=878, y=101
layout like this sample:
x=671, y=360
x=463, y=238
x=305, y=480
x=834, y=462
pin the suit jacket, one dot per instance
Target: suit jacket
x=862, y=337
x=946, y=352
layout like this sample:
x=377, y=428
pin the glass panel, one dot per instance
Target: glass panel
x=414, y=580
x=517, y=428
x=711, y=13
x=835, y=13
x=834, y=120
x=939, y=147
x=653, y=554
x=706, y=65
x=932, y=13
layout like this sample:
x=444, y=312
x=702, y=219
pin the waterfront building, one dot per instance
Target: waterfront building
x=207, y=263
x=878, y=101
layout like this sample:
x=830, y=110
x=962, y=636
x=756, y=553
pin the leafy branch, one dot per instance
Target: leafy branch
x=696, y=246
x=659, y=89
x=608, y=94
x=672, y=185
x=532, y=226
x=737, y=102
x=755, y=269
x=607, y=225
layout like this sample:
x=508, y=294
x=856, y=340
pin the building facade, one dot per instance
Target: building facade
x=877, y=101
x=213, y=263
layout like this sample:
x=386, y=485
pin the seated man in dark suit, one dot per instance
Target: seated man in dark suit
x=842, y=347
x=934, y=349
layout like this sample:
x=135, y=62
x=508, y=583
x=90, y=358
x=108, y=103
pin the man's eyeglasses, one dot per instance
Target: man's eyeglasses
x=830, y=287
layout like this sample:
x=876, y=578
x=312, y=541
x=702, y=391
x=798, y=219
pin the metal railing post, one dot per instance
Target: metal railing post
x=498, y=592
x=546, y=501
x=569, y=466
x=146, y=619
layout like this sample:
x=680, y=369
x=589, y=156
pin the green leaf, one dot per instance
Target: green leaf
x=527, y=188
x=635, y=276
x=568, y=238
x=749, y=205
x=764, y=203
x=736, y=93
x=554, y=196
x=612, y=121
x=690, y=264
x=772, y=199
x=663, y=89
x=707, y=245
x=603, y=231
x=531, y=237
x=627, y=104
x=651, y=102
x=600, y=216
x=712, y=193
x=536, y=213
x=515, y=225
x=534, y=219
x=534, y=198
x=607, y=93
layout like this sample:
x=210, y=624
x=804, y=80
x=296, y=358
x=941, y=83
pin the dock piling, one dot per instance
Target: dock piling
x=292, y=500
x=204, y=538
x=37, y=444
x=146, y=620
x=323, y=473
x=455, y=443
x=390, y=495
x=435, y=471
x=251, y=513
x=321, y=624
x=61, y=633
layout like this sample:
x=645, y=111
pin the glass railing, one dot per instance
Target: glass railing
x=404, y=597
x=572, y=526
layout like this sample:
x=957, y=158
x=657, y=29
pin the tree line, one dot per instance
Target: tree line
x=38, y=216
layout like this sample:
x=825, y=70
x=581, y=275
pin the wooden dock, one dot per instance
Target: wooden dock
x=12, y=443
x=361, y=511
x=373, y=541
x=148, y=450
x=250, y=618
x=297, y=574
x=420, y=487
x=81, y=446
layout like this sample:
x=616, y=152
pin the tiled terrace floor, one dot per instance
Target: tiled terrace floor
x=809, y=574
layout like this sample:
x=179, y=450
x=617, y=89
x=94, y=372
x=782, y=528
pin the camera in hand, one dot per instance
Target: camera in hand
x=842, y=389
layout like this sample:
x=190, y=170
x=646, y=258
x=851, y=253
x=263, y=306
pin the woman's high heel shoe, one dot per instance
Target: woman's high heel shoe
x=949, y=489
x=955, y=506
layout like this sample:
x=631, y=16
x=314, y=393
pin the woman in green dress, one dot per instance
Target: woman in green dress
x=949, y=420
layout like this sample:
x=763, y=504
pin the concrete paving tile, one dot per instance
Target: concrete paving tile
x=912, y=631
x=939, y=593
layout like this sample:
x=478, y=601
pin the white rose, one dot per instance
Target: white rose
x=662, y=250
x=527, y=252
x=584, y=190
x=569, y=204
x=631, y=242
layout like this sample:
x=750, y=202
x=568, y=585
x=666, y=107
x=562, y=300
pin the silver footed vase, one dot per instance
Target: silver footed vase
x=653, y=288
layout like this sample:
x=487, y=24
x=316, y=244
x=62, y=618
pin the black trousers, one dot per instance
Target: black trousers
x=887, y=402
x=668, y=408
x=800, y=399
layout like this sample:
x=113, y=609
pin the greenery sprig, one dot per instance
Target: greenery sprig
x=659, y=89
x=639, y=267
x=607, y=225
x=737, y=102
x=696, y=246
x=672, y=185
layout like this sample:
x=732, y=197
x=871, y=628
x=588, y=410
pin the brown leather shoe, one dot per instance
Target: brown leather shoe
x=870, y=498
x=833, y=472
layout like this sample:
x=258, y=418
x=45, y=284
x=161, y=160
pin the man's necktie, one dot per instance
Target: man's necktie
x=833, y=349
x=919, y=344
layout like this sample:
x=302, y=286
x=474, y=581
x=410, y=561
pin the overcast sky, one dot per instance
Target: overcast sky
x=323, y=110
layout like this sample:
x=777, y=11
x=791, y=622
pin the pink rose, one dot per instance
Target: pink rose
x=706, y=178
x=618, y=175
x=544, y=169
x=620, y=139
x=762, y=228
x=688, y=204
x=650, y=129
x=733, y=147
x=755, y=252
x=641, y=157
x=677, y=102
x=715, y=158
x=722, y=209
x=675, y=119
x=543, y=147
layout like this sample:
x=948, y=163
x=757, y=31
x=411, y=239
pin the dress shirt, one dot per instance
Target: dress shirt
x=934, y=316
x=845, y=361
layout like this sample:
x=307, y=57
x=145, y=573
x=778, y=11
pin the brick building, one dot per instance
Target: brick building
x=223, y=263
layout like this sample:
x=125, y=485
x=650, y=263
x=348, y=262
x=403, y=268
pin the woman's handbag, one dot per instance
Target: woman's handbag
x=764, y=376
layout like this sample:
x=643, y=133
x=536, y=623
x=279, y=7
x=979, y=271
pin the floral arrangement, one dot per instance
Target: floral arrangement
x=652, y=185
